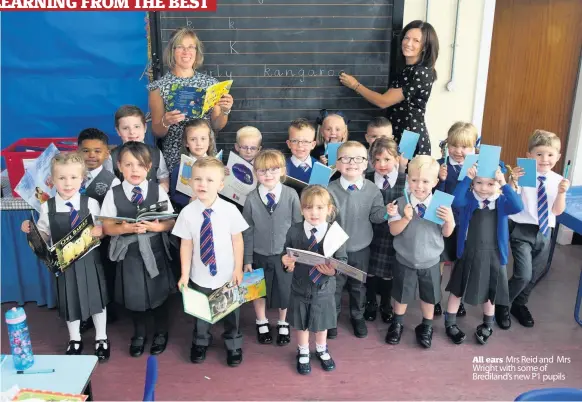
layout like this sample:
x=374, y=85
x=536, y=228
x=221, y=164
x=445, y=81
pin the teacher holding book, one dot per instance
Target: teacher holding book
x=409, y=92
x=183, y=55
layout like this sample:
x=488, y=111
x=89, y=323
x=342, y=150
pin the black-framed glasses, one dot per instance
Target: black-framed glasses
x=263, y=172
x=348, y=159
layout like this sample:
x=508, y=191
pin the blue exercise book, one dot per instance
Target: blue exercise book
x=320, y=174
x=408, y=143
x=331, y=152
x=470, y=160
x=488, y=161
x=530, y=169
x=439, y=199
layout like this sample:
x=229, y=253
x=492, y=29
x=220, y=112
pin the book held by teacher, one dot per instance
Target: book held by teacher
x=196, y=102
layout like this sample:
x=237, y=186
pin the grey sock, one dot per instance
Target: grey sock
x=426, y=321
x=398, y=319
x=488, y=320
x=450, y=319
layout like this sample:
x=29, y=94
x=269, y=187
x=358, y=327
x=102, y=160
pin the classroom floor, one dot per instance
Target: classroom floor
x=367, y=369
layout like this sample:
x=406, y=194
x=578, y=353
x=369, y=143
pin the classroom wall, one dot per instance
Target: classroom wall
x=446, y=107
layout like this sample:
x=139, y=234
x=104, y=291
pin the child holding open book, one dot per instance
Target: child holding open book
x=81, y=288
x=312, y=306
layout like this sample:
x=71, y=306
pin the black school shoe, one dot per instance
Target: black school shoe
x=438, y=310
x=326, y=365
x=234, y=357
x=387, y=314
x=198, y=354
x=332, y=333
x=483, y=333
x=159, y=343
x=461, y=312
x=303, y=368
x=86, y=325
x=424, y=335
x=371, y=311
x=137, y=346
x=101, y=352
x=455, y=334
x=502, y=317
x=266, y=338
x=71, y=350
x=522, y=314
x=283, y=339
x=360, y=328
x=394, y=333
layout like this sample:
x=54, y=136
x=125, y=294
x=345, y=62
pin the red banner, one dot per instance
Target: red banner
x=108, y=5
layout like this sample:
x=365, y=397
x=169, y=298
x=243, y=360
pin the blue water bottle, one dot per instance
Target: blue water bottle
x=19, y=338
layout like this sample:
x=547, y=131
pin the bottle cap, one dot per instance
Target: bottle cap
x=15, y=315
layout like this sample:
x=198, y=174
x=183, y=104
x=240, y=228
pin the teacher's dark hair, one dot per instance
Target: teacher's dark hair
x=430, y=44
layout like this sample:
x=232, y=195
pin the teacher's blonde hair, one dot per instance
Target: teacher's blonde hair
x=175, y=40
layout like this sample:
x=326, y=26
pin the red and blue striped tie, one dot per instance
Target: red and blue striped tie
x=420, y=209
x=314, y=274
x=137, y=197
x=543, y=207
x=207, y=255
x=73, y=215
x=270, y=201
x=386, y=185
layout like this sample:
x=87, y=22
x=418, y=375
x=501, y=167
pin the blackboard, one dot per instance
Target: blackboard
x=285, y=57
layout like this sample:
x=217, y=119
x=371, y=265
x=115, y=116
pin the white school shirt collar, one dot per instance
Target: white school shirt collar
x=491, y=199
x=196, y=157
x=455, y=163
x=276, y=190
x=321, y=230
x=298, y=162
x=392, y=177
x=91, y=174
x=128, y=189
x=415, y=201
x=75, y=200
x=345, y=184
x=201, y=207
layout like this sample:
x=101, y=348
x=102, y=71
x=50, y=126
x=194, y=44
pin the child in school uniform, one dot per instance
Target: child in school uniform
x=418, y=244
x=359, y=203
x=312, y=307
x=270, y=210
x=93, y=146
x=81, y=288
x=331, y=127
x=390, y=178
x=530, y=230
x=197, y=142
x=301, y=142
x=480, y=274
x=144, y=278
x=211, y=253
x=461, y=141
x=130, y=124
x=378, y=127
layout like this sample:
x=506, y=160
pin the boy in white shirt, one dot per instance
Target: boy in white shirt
x=530, y=230
x=211, y=253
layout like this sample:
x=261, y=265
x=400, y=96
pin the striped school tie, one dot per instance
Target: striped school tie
x=457, y=168
x=271, y=201
x=420, y=209
x=73, y=215
x=304, y=167
x=543, y=207
x=83, y=188
x=137, y=197
x=314, y=274
x=485, y=204
x=207, y=255
x=352, y=187
x=386, y=184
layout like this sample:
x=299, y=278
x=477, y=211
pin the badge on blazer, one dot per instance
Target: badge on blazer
x=101, y=188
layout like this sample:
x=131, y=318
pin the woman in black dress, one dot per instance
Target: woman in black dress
x=409, y=92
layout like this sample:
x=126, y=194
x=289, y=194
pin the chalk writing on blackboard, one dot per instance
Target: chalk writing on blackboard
x=301, y=73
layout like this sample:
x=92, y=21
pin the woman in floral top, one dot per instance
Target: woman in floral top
x=411, y=89
x=183, y=55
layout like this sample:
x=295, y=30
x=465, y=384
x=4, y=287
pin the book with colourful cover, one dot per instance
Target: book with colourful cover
x=27, y=394
x=185, y=173
x=226, y=299
x=241, y=180
x=157, y=211
x=74, y=246
x=196, y=102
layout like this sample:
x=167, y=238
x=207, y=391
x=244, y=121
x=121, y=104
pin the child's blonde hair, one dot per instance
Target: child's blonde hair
x=209, y=162
x=249, y=132
x=383, y=144
x=311, y=193
x=65, y=158
x=542, y=138
x=350, y=144
x=462, y=134
x=192, y=124
x=324, y=115
x=269, y=159
x=302, y=124
x=424, y=163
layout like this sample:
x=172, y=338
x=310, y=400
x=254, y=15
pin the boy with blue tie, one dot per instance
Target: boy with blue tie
x=301, y=142
x=211, y=253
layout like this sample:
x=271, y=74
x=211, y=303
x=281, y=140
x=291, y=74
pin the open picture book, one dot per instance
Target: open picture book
x=157, y=211
x=226, y=299
x=196, y=102
x=66, y=251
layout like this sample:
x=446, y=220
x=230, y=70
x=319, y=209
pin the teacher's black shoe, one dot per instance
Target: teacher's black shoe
x=234, y=357
x=159, y=343
x=74, y=348
x=522, y=314
x=502, y=317
x=102, y=350
x=137, y=346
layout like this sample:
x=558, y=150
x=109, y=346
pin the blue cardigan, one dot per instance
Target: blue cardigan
x=297, y=172
x=465, y=203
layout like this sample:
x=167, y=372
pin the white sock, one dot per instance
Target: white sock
x=283, y=330
x=322, y=349
x=263, y=329
x=74, y=331
x=100, y=321
x=304, y=352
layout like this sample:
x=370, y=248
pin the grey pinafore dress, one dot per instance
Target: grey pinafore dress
x=312, y=306
x=134, y=288
x=478, y=275
x=81, y=288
